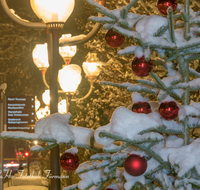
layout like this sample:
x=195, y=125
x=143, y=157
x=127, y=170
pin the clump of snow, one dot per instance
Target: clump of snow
x=139, y=51
x=57, y=126
x=149, y=25
x=91, y=177
x=168, y=80
x=136, y=97
x=173, y=125
x=113, y=186
x=72, y=150
x=173, y=142
x=22, y=135
x=105, y=140
x=69, y=38
x=82, y=135
x=186, y=157
x=36, y=148
x=169, y=99
x=196, y=105
x=100, y=156
x=127, y=124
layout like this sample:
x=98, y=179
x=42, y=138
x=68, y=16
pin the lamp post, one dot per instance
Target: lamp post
x=2, y=112
x=54, y=14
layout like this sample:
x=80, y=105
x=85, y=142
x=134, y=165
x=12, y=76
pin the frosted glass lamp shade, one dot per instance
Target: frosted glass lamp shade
x=67, y=51
x=92, y=69
x=37, y=103
x=92, y=66
x=34, y=9
x=46, y=97
x=62, y=106
x=53, y=10
x=40, y=56
x=69, y=78
x=35, y=142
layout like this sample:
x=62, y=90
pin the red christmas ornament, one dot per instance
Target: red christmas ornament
x=141, y=107
x=135, y=165
x=168, y=110
x=113, y=39
x=69, y=161
x=164, y=4
x=141, y=67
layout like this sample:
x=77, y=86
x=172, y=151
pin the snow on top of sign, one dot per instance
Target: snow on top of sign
x=56, y=127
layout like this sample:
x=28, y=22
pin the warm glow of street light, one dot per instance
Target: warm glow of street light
x=46, y=97
x=43, y=112
x=53, y=10
x=37, y=103
x=62, y=106
x=92, y=66
x=69, y=78
x=35, y=142
x=40, y=56
x=67, y=52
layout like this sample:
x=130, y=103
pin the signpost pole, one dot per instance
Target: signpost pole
x=1, y=129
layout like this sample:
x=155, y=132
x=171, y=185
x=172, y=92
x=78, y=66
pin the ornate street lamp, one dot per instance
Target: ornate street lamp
x=40, y=57
x=67, y=52
x=92, y=66
x=69, y=78
x=54, y=14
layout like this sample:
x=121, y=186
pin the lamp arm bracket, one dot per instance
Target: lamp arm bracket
x=19, y=20
x=43, y=26
x=45, y=82
x=89, y=36
x=89, y=92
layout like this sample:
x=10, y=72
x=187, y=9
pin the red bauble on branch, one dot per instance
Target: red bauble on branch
x=163, y=5
x=69, y=161
x=114, y=39
x=135, y=165
x=168, y=110
x=141, y=107
x=141, y=67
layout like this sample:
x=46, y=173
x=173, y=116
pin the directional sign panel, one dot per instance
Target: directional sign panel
x=20, y=113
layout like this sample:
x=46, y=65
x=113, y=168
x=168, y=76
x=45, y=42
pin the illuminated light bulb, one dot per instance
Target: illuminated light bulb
x=92, y=65
x=46, y=97
x=37, y=103
x=62, y=107
x=40, y=56
x=35, y=142
x=40, y=113
x=67, y=52
x=69, y=78
x=53, y=11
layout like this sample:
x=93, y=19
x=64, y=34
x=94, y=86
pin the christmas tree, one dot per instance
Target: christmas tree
x=148, y=145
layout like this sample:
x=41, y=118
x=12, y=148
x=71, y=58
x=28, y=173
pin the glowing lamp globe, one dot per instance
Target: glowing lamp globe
x=69, y=78
x=92, y=66
x=46, y=97
x=62, y=106
x=35, y=142
x=40, y=56
x=37, y=103
x=67, y=52
x=53, y=11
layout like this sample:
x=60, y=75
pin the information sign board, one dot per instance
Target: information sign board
x=20, y=113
